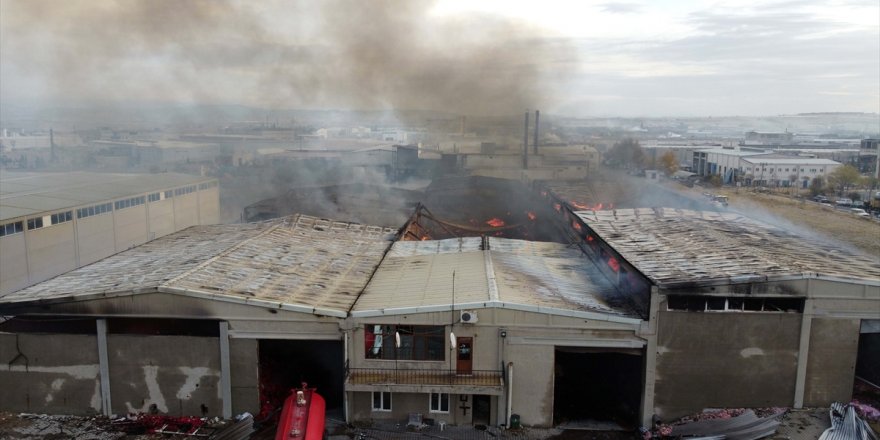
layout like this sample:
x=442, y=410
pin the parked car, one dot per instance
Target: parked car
x=843, y=202
x=820, y=199
x=859, y=212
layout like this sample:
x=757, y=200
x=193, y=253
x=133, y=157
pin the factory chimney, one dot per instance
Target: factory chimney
x=53, y=156
x=526, y=143
x=535, y=144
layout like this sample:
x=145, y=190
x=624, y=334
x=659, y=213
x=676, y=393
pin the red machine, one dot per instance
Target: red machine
x=303, y=415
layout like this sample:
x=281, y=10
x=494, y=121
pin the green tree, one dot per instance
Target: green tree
x=626, y=154
x=844, y=177
x=817, y=186
x=669, y=163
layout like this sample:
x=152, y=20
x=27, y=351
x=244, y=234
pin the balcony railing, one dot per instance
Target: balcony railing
x=385, y=376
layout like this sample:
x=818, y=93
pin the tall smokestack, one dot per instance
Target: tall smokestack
x=53, y=157
x=535, y=144
x=526, y=143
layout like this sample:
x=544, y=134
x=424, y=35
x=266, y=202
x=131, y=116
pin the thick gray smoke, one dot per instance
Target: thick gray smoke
x=329, y=54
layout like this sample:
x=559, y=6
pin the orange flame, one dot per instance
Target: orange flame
x=495, y=222
x=531, y=215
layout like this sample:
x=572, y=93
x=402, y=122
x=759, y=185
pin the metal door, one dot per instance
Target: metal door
x=464, y=363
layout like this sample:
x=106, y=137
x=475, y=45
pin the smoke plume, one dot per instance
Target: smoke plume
x=343, y=54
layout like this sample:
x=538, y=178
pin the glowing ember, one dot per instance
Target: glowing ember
x=576, y=225
x=495, y=222
x=425, y=238
x=531, y=215
x=614, y=264
x=557, y=207
x=587, y=207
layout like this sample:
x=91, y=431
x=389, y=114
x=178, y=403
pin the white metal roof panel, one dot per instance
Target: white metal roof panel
x=299, y=261
x=425, y=281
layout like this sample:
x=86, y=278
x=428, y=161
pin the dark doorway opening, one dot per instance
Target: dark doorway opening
x=866, y=388
x=285, y=364
x=482, y=409
x=593, y=385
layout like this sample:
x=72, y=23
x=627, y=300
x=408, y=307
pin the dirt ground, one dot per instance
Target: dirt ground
x=808, y=218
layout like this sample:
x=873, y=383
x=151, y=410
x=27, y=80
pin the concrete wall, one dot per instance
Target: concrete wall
x=186, y=211
x=51, y=251
x=533, y=377
x=95, y=237
x=131, y=227
x=161, y=218
x=831, y=363
x=243, y=360
x=722, y=360
x=180, y=375
x=55, y=374
x=13, y=263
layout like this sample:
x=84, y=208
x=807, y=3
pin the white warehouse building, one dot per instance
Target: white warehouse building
x=758, y=167
x=51, y=223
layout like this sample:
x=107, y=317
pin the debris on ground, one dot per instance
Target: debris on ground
x=848, y=424
x=735, y=423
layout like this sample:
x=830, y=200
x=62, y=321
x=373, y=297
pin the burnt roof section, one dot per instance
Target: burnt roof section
x=297, y=263
x=678, y=247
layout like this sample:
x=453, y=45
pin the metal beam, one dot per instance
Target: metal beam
x=104, y=366
x=225, y=376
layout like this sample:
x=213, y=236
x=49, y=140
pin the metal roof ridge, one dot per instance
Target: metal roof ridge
x=202, y=265
x=492, y=285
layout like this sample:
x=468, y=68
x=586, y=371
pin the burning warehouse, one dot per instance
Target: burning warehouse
x=615, y=315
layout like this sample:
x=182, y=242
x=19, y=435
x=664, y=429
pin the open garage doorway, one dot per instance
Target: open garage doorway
x=597, y=388
x=866, y=388
x=285, y=364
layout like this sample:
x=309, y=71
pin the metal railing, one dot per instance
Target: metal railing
x=384, y=376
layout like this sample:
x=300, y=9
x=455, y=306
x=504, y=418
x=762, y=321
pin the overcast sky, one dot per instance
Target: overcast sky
x=580, y=58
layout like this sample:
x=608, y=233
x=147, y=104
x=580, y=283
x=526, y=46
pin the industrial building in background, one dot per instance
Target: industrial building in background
x=554, y=308
x=51, y=223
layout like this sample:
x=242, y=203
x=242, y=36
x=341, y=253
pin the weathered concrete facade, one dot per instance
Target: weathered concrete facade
x=49, y=373
x=711, y=360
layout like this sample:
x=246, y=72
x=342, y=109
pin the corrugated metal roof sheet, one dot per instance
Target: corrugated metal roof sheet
x=299, y=260
x=518, y=274
x=28, y=193
x=672, y=246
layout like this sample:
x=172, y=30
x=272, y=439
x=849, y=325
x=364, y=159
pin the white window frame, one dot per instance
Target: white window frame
x=439, y=408
x=382, y=401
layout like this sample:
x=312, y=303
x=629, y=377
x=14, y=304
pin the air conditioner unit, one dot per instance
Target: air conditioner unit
x=468, y=317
